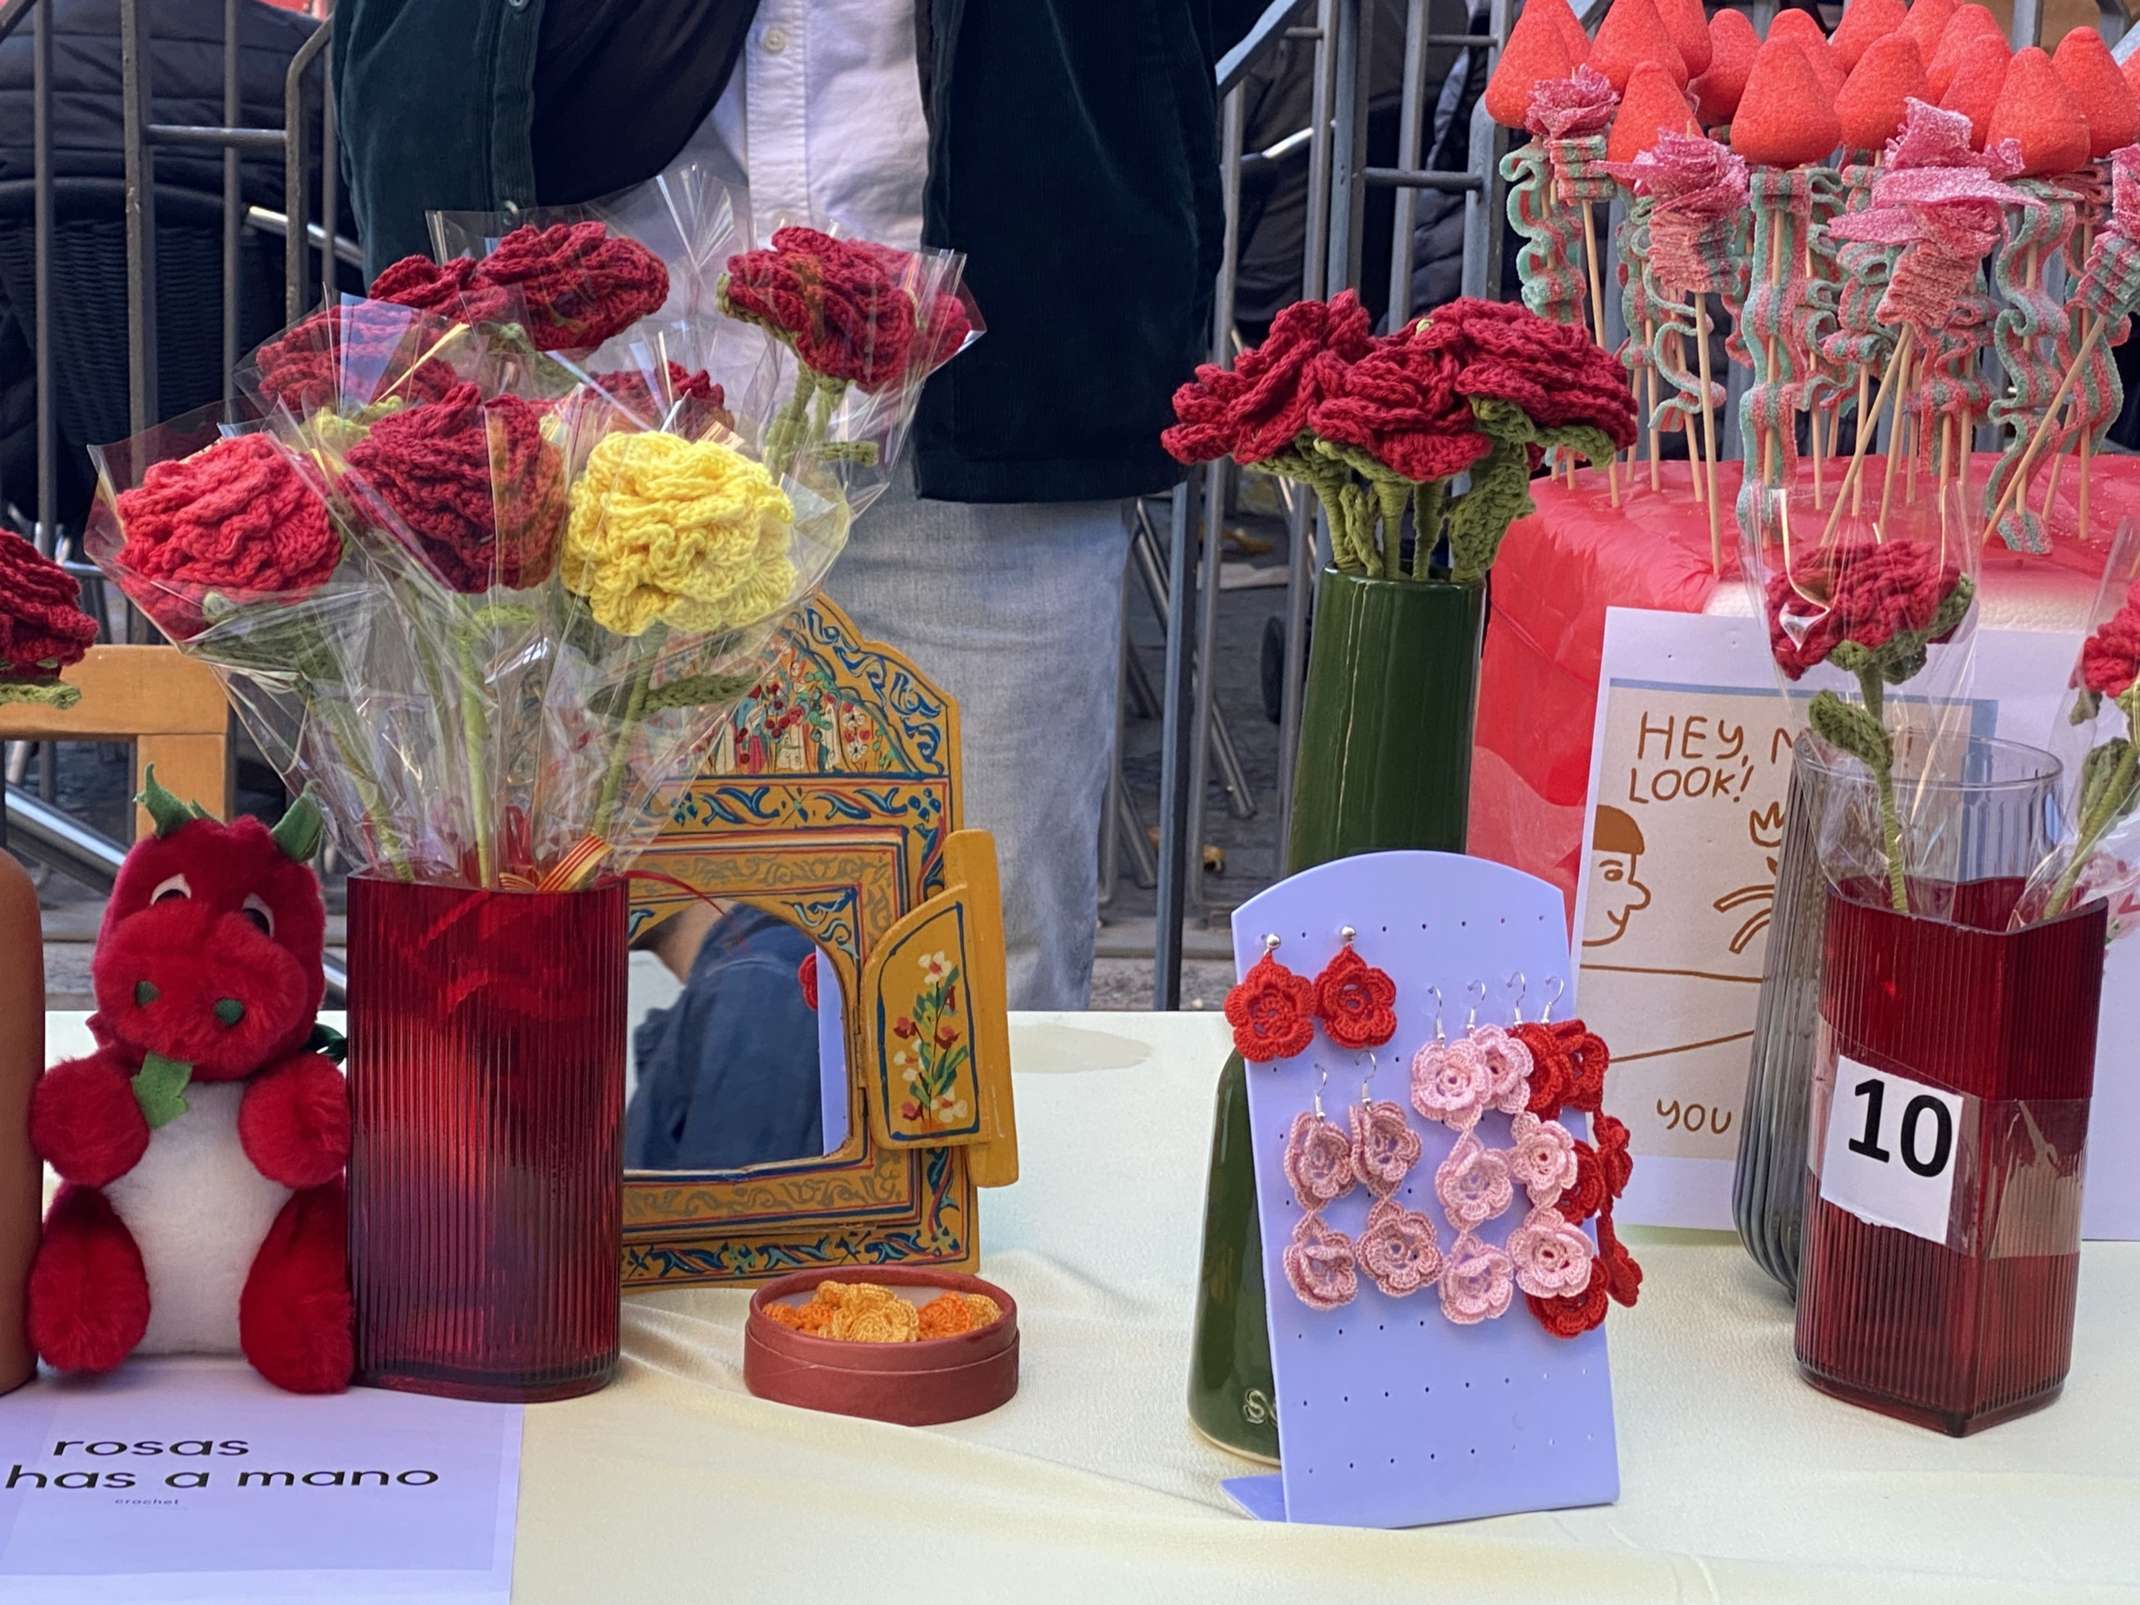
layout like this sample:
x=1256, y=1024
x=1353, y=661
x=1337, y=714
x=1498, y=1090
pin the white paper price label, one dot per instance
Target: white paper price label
x=1891, y=1150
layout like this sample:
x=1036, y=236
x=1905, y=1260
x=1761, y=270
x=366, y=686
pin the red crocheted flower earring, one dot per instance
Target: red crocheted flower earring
x=1355, y=1001
x=1271, y=1010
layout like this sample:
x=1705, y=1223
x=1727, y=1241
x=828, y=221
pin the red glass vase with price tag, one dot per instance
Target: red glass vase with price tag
x=1944, y=1160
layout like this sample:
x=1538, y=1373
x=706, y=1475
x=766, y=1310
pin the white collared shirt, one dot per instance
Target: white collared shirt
x=823, y=115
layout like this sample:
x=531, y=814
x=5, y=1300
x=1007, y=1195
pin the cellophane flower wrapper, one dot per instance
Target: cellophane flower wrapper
x=856, y=329
x=682, y=556
x=2097, y=740
x=222, y=535
x=1870, y=618
x=358, y=359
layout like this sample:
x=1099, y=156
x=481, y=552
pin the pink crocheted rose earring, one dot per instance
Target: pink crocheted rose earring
x=1399, y=1249
x=1507, y=1061
x=1319, y=1262
x=1451, y=1081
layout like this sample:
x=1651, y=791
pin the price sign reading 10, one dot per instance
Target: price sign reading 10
x=1888, y=1155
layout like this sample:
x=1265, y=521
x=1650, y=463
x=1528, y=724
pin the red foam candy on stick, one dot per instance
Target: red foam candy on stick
x=1631, y=34
x=1653, y=105
x=1800, y=29
x=1976, y=86
x=1534, y=55
x=1969, y=24
x=1784, y=120
x=1688, y=25
x=2035, y=108
x=1873, y=102
x=1926, y=22
x=1733, y=45
x=2091, y=76
x=1562, y=16
x=1863, y=22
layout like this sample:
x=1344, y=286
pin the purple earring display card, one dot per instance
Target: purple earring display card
x=1390, y=1414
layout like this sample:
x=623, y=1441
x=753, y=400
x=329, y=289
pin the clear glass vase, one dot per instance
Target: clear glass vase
x=1997, y=807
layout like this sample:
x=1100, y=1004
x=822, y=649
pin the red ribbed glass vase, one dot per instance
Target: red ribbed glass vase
x=486, y=1079
x=1963, y=1318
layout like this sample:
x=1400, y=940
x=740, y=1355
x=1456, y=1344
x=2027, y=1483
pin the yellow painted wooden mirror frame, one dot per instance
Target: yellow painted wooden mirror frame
x=831, y=799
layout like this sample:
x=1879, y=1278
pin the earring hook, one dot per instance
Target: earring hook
x=1471, y=1018
x=1322, y=1080
x=1522, y=986
x=1271, y=941
x=1346, y=933
x=1436, y=993
x=1374, y=1066
x=1559, y=986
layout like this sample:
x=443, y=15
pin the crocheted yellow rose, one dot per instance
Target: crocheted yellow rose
x=683, y=532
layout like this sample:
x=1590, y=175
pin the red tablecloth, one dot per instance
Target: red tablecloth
x=1562, y=567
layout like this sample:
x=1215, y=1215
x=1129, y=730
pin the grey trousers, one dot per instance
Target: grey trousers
x=1014, y=609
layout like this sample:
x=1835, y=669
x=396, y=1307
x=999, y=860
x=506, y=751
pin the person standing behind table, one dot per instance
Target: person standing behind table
x=1068, y=147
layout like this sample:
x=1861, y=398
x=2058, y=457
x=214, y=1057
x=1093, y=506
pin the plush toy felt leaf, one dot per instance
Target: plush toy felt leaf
x=328, y=1043
x=159, y=1087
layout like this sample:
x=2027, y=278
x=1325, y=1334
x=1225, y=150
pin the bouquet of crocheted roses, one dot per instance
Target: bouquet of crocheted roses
x=1383, y=427
x=495, y=561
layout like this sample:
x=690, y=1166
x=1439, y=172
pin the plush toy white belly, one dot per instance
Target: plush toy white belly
x=199, y=1211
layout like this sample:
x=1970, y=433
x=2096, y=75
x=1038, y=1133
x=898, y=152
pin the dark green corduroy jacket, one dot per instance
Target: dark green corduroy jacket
x=1073, y=157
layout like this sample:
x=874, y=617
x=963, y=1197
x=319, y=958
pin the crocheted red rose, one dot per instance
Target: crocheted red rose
x=1589, y=1059
x=2110, y=658
x=1616, y=1267
x=473, y=483
x=42, y=626
x=1204, y=407
x=940, y=326
x=450, y=289
x=1399, y=404
x=844, y=315
x=1272, y=1012
x=1300, y=361
x=1574, y=1314
x=576, y=284
x=806, y=978
x=1552, y=1071
x=1614, y=1161
x=1553, y=372
x=1589, y=1194
x=239, y=520
x=1356, y=1002
x=699, y=403
x=356, y=353
x=1868, y=592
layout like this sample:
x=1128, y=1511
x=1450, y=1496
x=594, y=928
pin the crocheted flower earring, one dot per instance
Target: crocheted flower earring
x=1355, y=1001
x=1318, y=1156
x=1384, y=1145
x=1399, y=1249
x=1319, y=1262
x=1508, y=1061
x=1451, y=1082
x=1271, y=1010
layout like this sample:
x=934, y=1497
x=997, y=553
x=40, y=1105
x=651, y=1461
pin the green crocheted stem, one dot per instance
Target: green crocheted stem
x=1860, y=732
x=1430, y=503
x=45, y=693
x=628, y=723
x=1500, y=484
x=2110, y=788
x=1391, y=493
x=473, y=736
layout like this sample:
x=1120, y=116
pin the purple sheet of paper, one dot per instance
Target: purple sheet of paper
x=1389, y=1414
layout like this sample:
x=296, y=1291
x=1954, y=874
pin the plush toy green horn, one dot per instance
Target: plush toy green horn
x=298, y=832
x=166, y=810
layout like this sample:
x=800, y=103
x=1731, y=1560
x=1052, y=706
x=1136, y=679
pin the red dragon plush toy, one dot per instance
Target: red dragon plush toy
x=202, y=1145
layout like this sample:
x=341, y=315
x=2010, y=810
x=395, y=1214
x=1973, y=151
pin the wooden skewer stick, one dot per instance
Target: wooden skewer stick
x=1864, y=425
x=1900, y=356
x=1649, y=382
x=1769, y=440
x=1897, y=435
x=2089, y=336
x=1597, y=323
x=1701, y=354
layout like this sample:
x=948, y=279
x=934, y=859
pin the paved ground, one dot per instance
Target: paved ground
x=93, y=781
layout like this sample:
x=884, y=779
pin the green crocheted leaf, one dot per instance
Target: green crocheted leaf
x=1478, y=520
x=47, y=693
x=1848, y=727
x=2110, y=785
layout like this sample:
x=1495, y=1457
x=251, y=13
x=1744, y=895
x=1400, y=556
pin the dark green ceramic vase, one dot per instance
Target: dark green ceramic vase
x=1385, y=763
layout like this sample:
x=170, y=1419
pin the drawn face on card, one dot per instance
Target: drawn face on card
x=1680, y=878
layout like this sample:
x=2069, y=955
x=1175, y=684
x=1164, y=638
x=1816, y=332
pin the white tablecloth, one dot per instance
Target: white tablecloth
x=1737, y=1480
